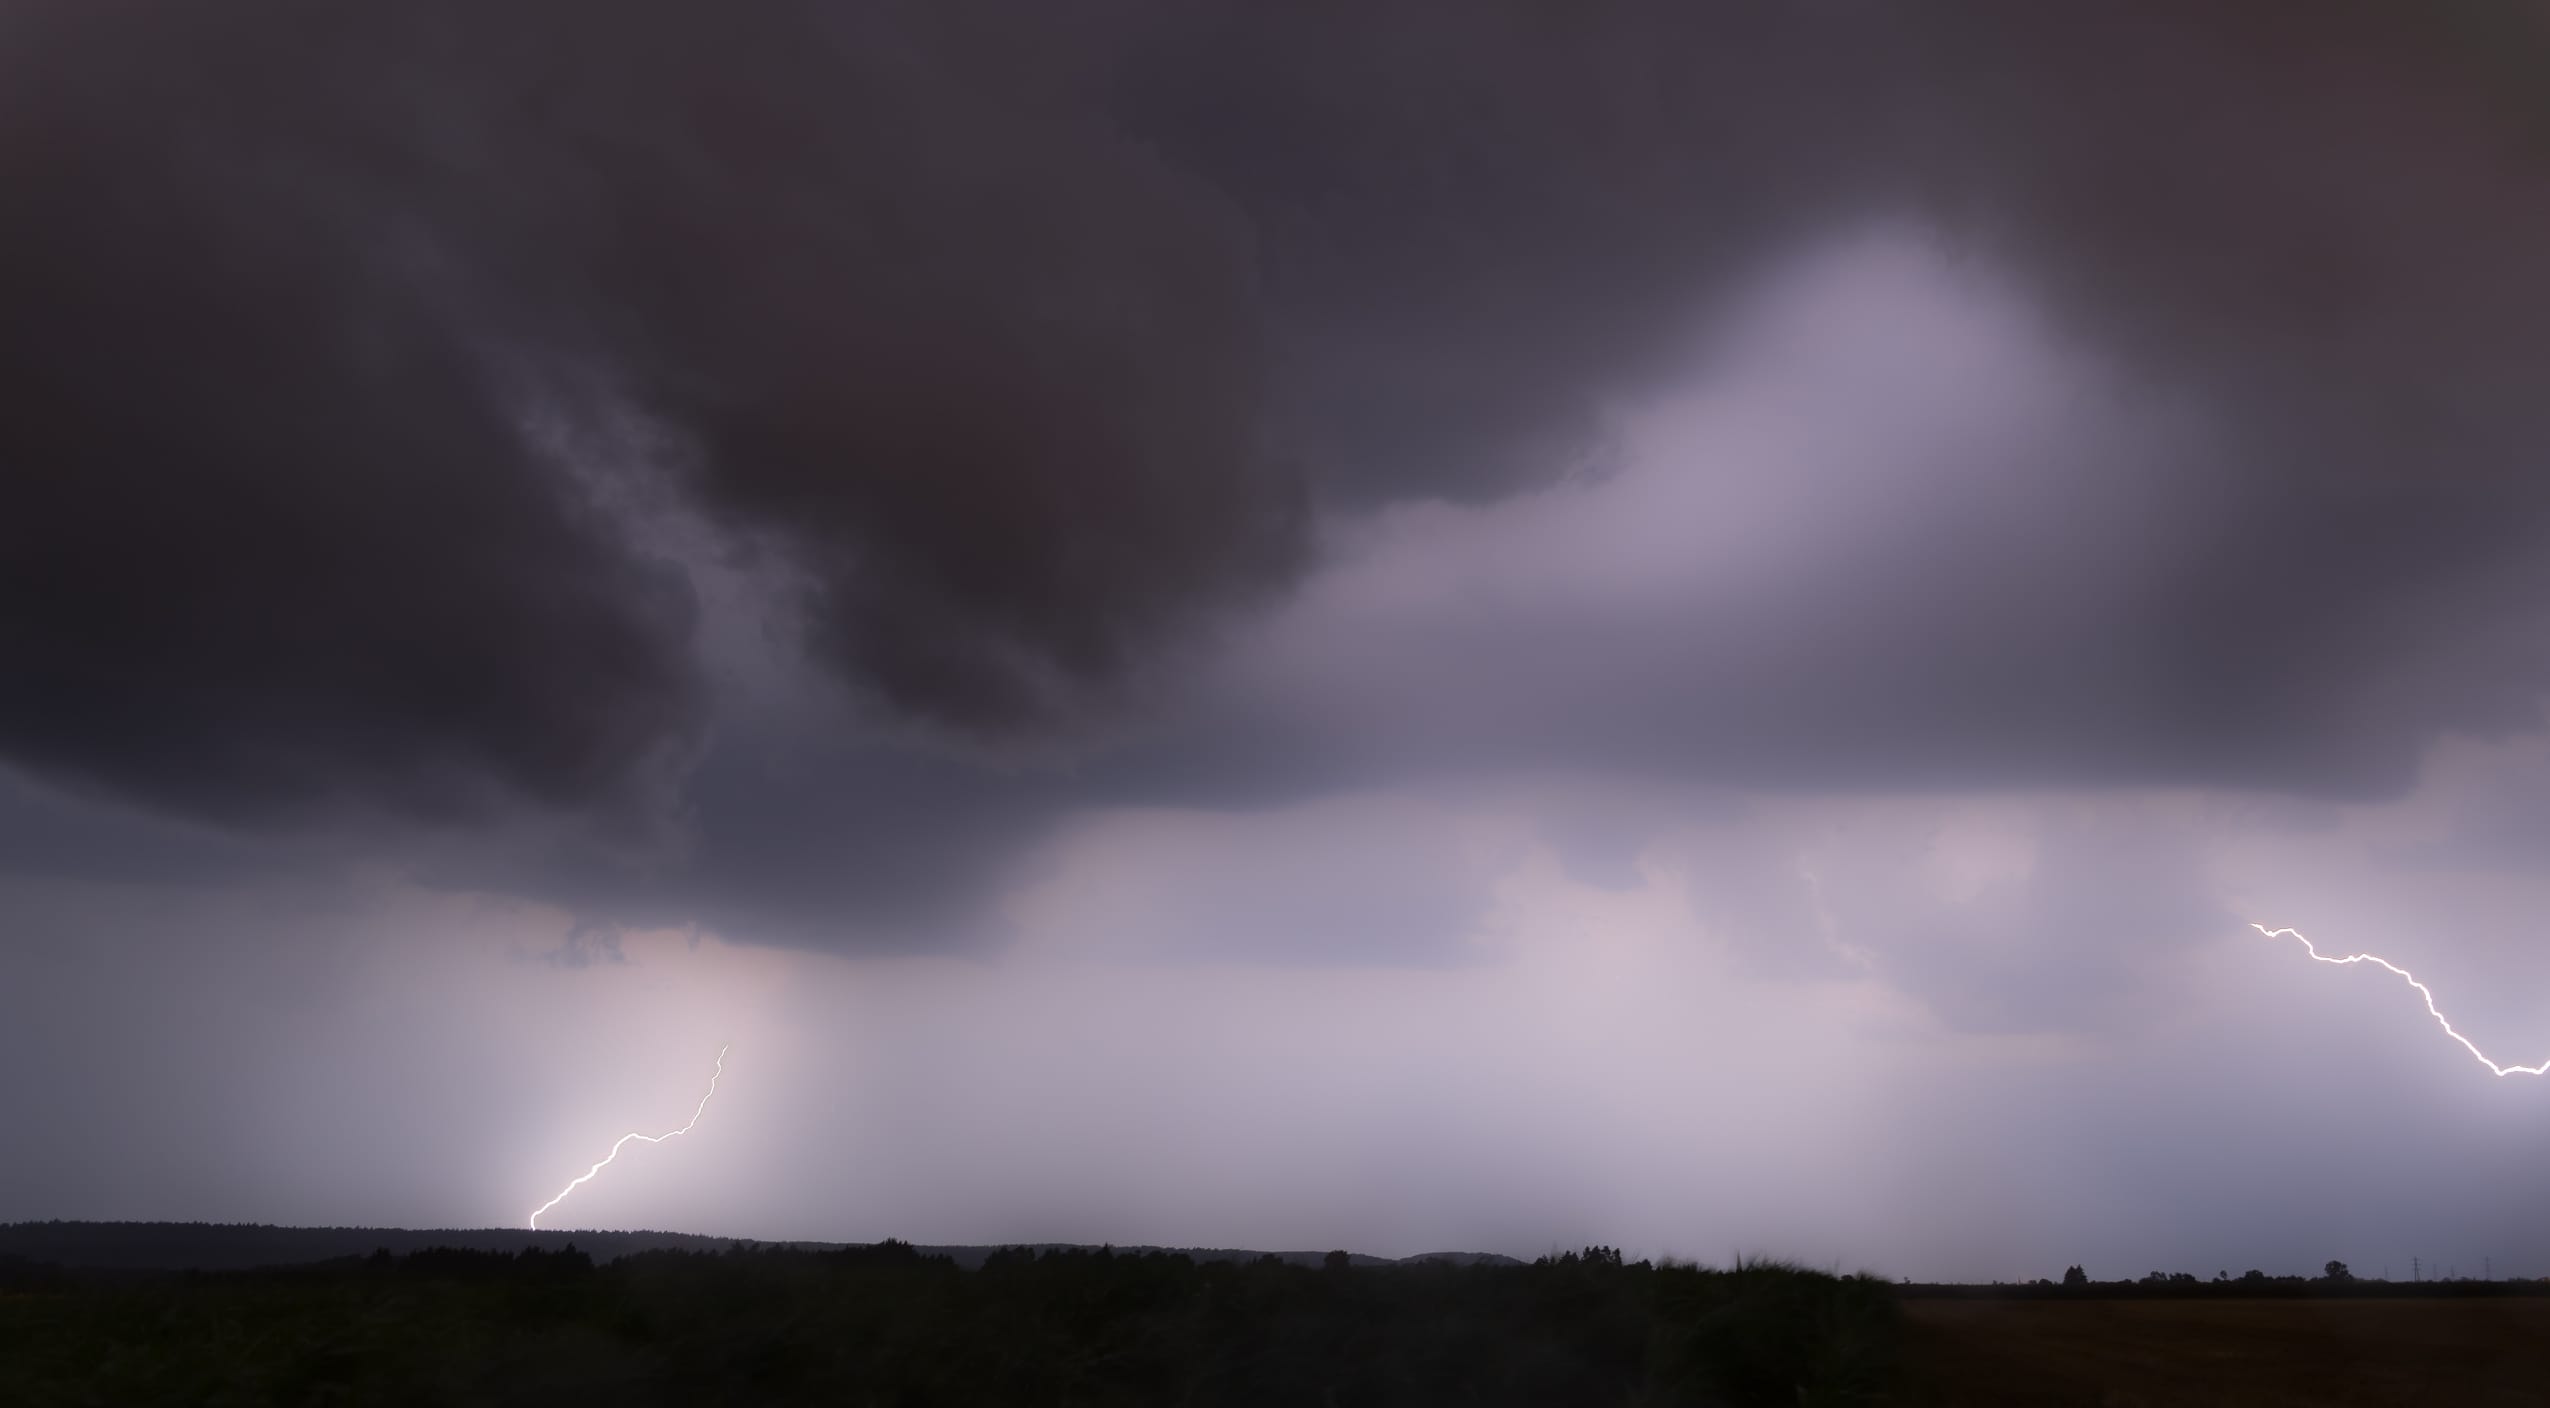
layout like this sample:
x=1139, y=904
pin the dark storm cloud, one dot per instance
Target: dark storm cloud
x=1019, y=343
x=293, y=289
x=1019, y=349
x=808, y=845
x=2307, y=248
x=1477, y=226
x=44, y=833
x=980, y=366
x=268, y=536
x=2329, y=227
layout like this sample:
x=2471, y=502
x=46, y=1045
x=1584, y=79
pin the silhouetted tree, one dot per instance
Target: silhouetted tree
x=2336, y=1271
x=2075, y=1276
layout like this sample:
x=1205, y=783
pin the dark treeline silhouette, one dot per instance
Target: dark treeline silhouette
x=215, y=1246
x=2335, y=1280
x=211, y=1246
x=893, y=1324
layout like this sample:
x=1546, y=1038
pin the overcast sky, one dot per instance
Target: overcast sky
x=1694, y=626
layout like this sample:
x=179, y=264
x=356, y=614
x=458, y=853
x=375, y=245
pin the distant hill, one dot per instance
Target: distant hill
x=236, y=1246
x=1460, y=1259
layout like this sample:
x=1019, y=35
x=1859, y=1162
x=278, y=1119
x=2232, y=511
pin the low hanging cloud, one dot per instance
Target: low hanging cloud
x=1343, y=882
x=1091, y=399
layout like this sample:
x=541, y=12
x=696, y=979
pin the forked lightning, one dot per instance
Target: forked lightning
x=625, y=1138
x=2422, y=991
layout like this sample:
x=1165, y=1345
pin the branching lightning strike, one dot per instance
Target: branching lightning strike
x=2422, y=991
x=625, y=1138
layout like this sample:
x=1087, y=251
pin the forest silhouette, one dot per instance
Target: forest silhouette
x=890, y=1324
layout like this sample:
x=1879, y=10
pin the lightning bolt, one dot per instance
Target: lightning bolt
x=2422, y=991
x=587, y=1175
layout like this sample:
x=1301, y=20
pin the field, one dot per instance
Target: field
x=2131, y=1353
x=105, y=1316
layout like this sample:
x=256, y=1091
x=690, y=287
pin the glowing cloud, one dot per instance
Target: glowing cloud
x=2422, y=991
x=587, y=1175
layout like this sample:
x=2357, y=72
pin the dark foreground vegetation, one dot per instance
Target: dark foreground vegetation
x=890, y=1325
x=711, y=1323
x=2466, y=1351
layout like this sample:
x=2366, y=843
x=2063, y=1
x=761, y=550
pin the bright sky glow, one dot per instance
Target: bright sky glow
x=588, y=1174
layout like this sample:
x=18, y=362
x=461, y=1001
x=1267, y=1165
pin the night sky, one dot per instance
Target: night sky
x=1698, y=626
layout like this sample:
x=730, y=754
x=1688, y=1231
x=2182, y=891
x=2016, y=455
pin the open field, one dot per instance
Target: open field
x=2130, y=1353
